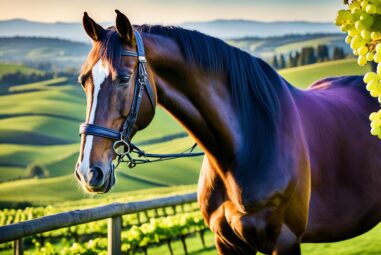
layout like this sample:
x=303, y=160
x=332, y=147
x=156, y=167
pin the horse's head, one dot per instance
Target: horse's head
x=109, y=77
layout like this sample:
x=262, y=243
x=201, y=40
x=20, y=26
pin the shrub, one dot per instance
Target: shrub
x=36, y=170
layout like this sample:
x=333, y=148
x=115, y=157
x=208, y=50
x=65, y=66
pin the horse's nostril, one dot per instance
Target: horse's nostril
x=95, y=177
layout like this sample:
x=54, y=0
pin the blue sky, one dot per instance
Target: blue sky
x=171, y=11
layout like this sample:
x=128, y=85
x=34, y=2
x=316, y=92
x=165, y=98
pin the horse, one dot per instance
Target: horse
x=282, y=166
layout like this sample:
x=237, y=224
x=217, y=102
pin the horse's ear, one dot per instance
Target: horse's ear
x=124, y=28
x=94, y=30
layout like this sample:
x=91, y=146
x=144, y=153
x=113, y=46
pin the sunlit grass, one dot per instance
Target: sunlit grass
x=304, y=76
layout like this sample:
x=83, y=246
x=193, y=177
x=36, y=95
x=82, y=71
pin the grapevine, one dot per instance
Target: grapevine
x=362, y=22
x=156, y=231
x=140, y=223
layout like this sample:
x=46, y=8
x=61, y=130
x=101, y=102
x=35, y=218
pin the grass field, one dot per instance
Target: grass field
x=304, y=76
x=13, y=68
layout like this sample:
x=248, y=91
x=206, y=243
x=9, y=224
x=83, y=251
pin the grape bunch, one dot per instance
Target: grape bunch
x=362, y=21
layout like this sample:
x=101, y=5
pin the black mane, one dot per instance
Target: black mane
x=253, y=85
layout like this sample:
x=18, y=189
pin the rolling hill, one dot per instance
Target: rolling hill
x=13, y=68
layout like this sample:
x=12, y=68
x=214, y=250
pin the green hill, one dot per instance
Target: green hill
x=13, y=68
x=304, y=76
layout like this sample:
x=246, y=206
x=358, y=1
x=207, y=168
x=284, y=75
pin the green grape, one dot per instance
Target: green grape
x=354, y=6
x=356, y=42
x=370, y=56
x=378, y=47
x=359, y=25
x=376, y=123
x=348, y=39
x=367, y=20
x=362, y=60
x=374, y=93
x=371, y=9
x=365, y=34
x=353, y=32
x=372, y=85
x=375, y=35
x=363, y=4
x=373, y=116
x=375, y=131
x=363, y=50
x=377, y=57
x=370, y=76
x=343, y=16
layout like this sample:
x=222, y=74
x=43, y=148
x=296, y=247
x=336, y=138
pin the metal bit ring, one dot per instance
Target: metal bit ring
x=121, y=143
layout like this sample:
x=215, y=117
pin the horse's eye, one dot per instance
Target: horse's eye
x=124, y=80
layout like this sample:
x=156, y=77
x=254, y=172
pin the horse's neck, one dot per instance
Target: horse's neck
x=202, y=103
x=199, y=100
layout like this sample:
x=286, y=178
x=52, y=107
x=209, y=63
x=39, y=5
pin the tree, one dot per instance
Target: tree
x=35, y=170
x=291, y=60
x=308, y=56
x=275, y=62
x=322, y=53
x=338, y=53
x=282, y=63
x=297, y=59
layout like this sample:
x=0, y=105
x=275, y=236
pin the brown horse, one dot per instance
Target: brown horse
x=282, y=165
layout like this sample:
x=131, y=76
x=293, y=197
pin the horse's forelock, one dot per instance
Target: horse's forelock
x=109, y=50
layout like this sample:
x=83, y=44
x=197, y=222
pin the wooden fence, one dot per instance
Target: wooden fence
x=113, y=212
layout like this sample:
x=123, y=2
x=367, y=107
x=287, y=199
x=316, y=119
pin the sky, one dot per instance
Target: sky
x=170, y=11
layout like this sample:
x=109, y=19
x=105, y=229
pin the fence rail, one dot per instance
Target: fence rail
x=113, y=212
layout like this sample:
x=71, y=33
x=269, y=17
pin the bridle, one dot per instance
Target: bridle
x=121, y=137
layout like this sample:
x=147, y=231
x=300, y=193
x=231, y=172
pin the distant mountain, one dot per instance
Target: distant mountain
x=249, y=28
x=219, y=28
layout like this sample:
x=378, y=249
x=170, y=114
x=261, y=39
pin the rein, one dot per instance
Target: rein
x=121, y=137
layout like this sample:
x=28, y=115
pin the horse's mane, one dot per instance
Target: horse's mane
x=254, y=87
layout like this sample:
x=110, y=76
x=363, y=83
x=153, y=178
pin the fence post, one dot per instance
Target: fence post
x=114, y=234
x=18, y=247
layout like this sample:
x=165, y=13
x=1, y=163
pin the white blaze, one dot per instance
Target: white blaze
x=99, y=73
